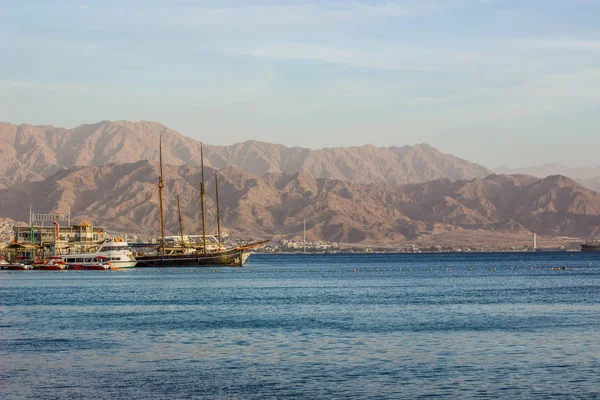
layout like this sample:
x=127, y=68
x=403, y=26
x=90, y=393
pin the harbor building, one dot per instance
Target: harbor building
x=55, y=231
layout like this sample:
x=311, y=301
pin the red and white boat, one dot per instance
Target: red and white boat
x=98, y=263
x=54, y=264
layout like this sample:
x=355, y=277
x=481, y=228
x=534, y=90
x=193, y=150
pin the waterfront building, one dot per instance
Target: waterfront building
x=56, y=231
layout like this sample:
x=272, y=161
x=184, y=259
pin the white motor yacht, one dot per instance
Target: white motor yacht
x=115, y=250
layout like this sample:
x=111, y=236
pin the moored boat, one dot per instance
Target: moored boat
x=99, y=263
x=195, y=257
x=115, y=251
x=230, y=257
x=94, y=266
x=15, y=267
x=50, y=267
x=591, y=246
x=53, y=264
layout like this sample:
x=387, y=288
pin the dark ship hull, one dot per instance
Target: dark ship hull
x=590, y=247
x=229, y=258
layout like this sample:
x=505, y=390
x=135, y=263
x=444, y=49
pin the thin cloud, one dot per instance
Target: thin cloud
x=566, y=44
x=280, y=14
x=546, y=94
x=384, y=57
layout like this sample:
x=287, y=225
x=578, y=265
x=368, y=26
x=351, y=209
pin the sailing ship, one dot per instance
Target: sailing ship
x=194, y=257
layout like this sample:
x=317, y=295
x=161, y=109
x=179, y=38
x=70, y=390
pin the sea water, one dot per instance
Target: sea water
x=509, y=325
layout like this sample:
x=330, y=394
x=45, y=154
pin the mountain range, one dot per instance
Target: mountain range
x=107, y=173
x=123, y=197
x=587, y=176
x=32, y=153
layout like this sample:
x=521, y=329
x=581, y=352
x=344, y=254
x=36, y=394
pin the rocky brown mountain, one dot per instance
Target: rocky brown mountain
x=123, y=197
x=32, y=153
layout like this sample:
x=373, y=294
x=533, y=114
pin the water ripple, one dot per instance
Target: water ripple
x=307, y=327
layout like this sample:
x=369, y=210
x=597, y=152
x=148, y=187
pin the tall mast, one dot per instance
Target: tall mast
x=56, y=234
x=218, y=212
x=202, y=199
x=160, y=197
x=180, y=221
x=304, y=241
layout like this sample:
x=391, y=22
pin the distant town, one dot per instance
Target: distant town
x=292, y=246
x=7, y=234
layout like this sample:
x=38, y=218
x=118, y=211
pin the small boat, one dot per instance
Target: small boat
x=97, y=263
x=15, y=267
x=55, y=263
x=50, y=267
x=93, y=266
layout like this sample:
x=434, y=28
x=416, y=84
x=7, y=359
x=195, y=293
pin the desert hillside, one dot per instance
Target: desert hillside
x=123, y=197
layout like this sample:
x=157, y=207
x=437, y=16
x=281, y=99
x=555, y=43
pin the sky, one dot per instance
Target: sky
x=498, y=82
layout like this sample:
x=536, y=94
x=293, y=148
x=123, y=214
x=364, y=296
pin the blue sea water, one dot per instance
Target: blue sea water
x=505, y=325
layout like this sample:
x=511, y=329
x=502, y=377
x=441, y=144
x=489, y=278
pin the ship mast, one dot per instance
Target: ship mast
x=56, y=234
x=160, y=197
x=218, y=213
x=180, y=221
x=202, y=199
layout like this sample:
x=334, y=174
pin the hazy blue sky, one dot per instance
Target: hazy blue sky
x=499, y=82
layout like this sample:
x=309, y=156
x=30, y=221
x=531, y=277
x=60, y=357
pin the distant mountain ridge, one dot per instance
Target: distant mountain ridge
x=32, y=153
x=353, y=195
x=123, y=197
x=587, y=176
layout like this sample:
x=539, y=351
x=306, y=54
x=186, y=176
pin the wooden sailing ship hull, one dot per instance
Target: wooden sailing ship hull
x=232, y=258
